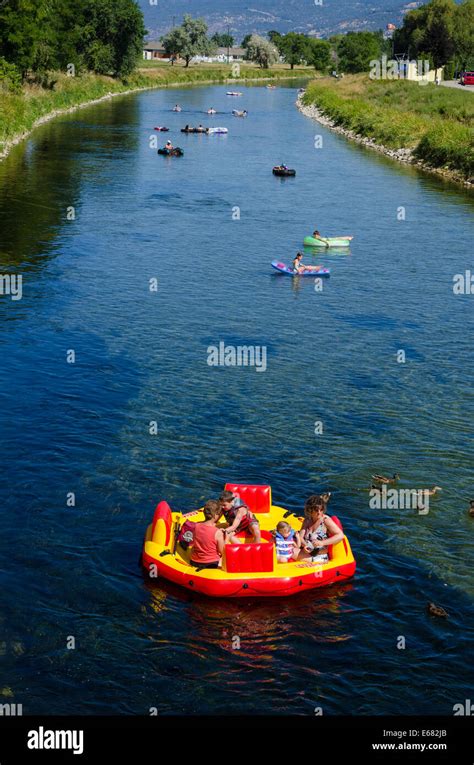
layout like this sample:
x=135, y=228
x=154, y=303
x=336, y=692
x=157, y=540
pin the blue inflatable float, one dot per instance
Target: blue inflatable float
x=284, y=269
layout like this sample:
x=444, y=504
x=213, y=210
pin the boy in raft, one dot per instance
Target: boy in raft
x=318, y=531
x=300, y=268
x=317, y=235
x=287, y=542
x=238, y=516
x=209, y=541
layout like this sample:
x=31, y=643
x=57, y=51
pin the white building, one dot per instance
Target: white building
x=222, y=55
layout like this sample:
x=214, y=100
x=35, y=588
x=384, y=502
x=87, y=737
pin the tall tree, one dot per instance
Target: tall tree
x=430, y=31
x=189, y=40
x=357, y=49
x=293, y=47
x=25, y=30
x=223, y=40
x=319, y=54
x=463, y=35
x=262, y=52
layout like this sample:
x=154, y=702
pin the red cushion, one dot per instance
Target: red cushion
x=257, y=498
x=163, y=512
x=331, y=547
x=249, y=558
x=337, y=521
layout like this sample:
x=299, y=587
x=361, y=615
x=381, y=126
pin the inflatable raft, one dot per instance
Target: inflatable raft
x=248, y=569
x=284, y=269
x=283, y=172
x=341, y=241
x=177, y=152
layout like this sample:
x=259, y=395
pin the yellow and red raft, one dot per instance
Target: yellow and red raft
x=248, y=569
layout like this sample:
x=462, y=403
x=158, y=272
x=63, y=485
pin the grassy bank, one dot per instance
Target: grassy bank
x=436, y=123
x=20, y=112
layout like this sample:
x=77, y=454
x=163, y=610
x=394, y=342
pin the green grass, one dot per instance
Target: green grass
x=19, y=112
x=437, y=123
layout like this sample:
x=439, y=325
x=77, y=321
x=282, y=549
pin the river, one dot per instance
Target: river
x=90, y=217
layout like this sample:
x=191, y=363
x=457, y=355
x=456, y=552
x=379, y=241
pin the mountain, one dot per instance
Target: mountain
x=260, y=16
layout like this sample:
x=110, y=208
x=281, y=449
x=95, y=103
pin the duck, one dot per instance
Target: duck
x=428, y=492
x=435, y=610
x=384, y=479
x=471, y=508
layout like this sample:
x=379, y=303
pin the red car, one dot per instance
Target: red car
x=467, y=78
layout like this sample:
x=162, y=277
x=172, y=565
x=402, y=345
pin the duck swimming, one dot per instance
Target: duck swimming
x=435, y=610
x=471, y=508
x=384, y=479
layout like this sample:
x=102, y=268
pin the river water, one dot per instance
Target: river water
x=89, y=214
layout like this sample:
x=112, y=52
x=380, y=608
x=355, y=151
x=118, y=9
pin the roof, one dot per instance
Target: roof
x=153, y=45
x=232, y=51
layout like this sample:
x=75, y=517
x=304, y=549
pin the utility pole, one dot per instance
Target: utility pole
x=228, y=44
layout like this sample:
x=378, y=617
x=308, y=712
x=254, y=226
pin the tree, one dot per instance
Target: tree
x=262, y=52
x=223, y=41
x=293, y=47
x=245, y=41
x=439, y=31
x=463, y=35
x=109, y=35
x=274, y=37
x=319, y=54
x=25, y=26
x=357, y=49
x=10, y=78
x=431, y=31
x=188, y=40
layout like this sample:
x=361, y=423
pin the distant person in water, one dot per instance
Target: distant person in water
x=317, y=235
x=300, y=268
x=177, y=108
x=169, y=146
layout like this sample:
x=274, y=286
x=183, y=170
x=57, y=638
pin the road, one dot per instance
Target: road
x=455, y=84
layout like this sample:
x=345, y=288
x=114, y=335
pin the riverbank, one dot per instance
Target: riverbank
x=422, y=126
x=21, y=113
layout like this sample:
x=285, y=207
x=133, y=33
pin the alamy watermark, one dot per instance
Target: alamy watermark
x=223, y=355
x=11, y=284
x=400, y=499
x=391, y=69
x=463, y=284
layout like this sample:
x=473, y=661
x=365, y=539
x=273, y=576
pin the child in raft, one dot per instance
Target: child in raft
x=287, y=542
x=318, y=532
x=300, y=268
x=239, y=517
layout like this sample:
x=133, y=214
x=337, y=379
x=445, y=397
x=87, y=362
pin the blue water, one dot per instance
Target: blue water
x=141, y=357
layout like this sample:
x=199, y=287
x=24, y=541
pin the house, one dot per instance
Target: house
x=222, y=55
x=154, y=50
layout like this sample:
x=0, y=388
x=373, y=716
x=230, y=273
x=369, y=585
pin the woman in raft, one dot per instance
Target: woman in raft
x=208, y=541
x=318, y=531
x=239, y=517
x=300, y=268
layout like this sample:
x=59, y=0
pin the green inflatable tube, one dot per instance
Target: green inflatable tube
x=345, y=241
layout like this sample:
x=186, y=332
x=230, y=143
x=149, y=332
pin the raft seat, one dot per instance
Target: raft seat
x=248, y=558
x=258, y=498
